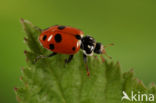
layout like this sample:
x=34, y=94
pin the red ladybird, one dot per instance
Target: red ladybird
x=61, y=39
x=69, y=40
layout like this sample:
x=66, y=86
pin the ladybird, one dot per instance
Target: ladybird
x=61, y=39
x=68, y=40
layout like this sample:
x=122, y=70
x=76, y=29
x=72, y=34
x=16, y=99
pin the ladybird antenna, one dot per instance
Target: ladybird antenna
x=102, y=58
x=88, y=73
x=42, y=56
x=108, y=56
x=104, y=52
x=108, y=45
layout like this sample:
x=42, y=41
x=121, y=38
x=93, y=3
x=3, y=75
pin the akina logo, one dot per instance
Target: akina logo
x=137, y=97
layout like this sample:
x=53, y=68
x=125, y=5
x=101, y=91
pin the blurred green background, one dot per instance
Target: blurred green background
x=129, y=24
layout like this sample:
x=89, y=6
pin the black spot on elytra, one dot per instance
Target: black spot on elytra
x=61, y=27
x=51, y=46
x=73, y=48
x=44, y=37
x=58, y=38
x=78, y=36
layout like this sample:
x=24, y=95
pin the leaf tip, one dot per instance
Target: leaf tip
x=153, y=85
x=118, y=64
x=21, y=78
x=131, y=71
x=25, y=51
x=25, y=39
x=15, y=89
x=22, y=68
x=21, y=20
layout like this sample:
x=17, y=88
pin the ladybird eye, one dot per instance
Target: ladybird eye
x=44, y=37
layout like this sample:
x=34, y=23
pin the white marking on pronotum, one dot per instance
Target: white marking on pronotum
x=51, y=36
x=78, y=43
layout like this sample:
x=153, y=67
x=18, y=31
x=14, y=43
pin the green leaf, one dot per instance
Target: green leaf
x=50, y=81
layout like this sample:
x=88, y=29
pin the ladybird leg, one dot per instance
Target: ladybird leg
x=52, y=54
x=69, y=59
x=102, y=58
x=42, y=56
x=86, y=65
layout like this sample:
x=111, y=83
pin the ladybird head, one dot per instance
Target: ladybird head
x=99, y=49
